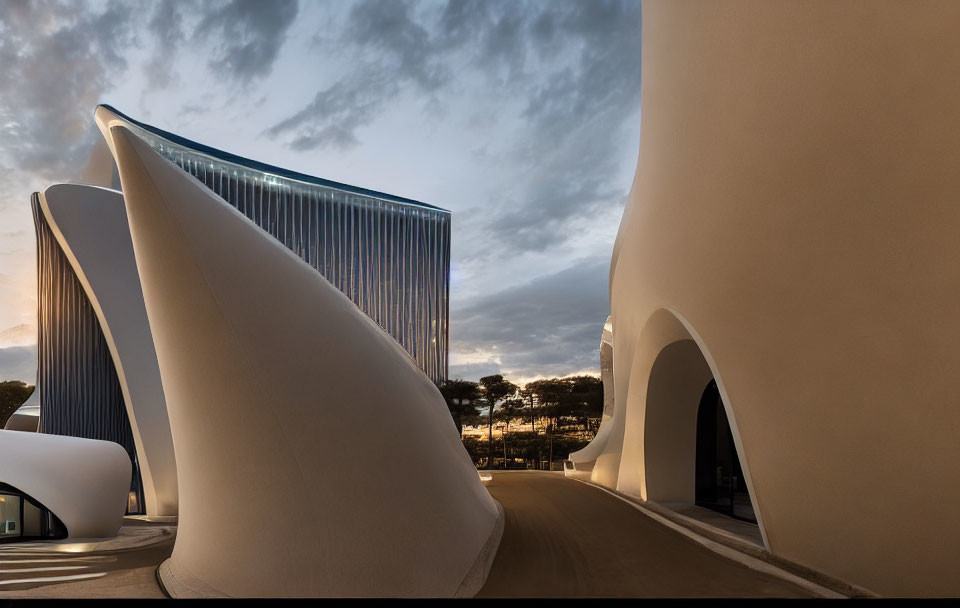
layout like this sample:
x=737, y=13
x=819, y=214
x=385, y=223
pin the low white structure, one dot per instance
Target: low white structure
x=83, y=482
x=285, y=402
x=90, y=226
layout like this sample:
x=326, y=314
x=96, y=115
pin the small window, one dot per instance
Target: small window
x=9, y=516
x=23, y=518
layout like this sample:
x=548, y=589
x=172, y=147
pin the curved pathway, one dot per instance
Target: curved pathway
x=568, y=539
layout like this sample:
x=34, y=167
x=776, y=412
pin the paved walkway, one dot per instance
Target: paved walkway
x=122, y=567
x=567, y=539
x=562, y=539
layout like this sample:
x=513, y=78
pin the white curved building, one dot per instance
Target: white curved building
x=787, y=263
x=282, y=397
x=41, y=499
x=98, y=373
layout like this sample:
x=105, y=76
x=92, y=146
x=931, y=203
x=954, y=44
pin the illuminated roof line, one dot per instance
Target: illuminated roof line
x=271, y=169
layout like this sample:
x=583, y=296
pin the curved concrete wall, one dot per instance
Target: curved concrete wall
x=90, y=225
x=794, y=216
x=599, y=461
x=84, y=482
x=314, y=457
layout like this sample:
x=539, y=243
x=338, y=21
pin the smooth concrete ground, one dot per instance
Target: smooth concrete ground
x=568, y=539
x=122, y=567
x=562, y=539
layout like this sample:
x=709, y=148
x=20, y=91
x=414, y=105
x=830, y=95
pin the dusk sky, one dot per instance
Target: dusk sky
x=521, y=118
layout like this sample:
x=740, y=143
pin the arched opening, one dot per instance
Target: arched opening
x=720, y=483
x=687, y=433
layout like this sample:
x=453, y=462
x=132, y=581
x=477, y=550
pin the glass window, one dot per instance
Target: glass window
x=32, y=519
x=9, y=516
x=23, y=518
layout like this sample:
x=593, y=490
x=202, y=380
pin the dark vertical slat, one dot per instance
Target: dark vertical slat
x=391, y=259
x=80, y=394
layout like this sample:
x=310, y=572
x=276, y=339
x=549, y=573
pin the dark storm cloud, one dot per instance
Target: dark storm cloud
x=56, y=60
x=250, y=32
x=550, y=325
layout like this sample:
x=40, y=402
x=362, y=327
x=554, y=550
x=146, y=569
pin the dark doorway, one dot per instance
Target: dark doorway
x=720, y=484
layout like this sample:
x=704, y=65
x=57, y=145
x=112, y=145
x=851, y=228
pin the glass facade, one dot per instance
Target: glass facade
x=390, y=255
x=80, y=394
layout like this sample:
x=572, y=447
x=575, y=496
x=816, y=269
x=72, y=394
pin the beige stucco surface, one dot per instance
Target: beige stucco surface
x=314, y=457
x=795, y=215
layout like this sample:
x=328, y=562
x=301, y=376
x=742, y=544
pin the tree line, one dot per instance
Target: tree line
x=544, y=413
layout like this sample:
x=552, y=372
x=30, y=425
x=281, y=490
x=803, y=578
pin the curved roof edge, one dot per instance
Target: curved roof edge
x=265, y=168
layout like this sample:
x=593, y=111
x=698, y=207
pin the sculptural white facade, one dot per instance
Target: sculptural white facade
x=282, y=396
x=90, y=228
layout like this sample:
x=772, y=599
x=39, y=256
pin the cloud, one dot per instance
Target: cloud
x=391, y=50
x=336, y=112
x=550, y=325
x=57, y=60
x=528, y=112
x=251, y=33
x=576, y=117
x=20, y=335
x=241, y=39
x=166, y=25
x=19, y=363
x=405, y=44
x=571, y=68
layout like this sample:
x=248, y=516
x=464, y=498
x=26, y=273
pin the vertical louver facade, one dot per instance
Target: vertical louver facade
x=80, y=393
x=390, y=255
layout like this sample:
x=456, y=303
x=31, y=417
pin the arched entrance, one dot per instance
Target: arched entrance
x=669, y=374
x=720, y=483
